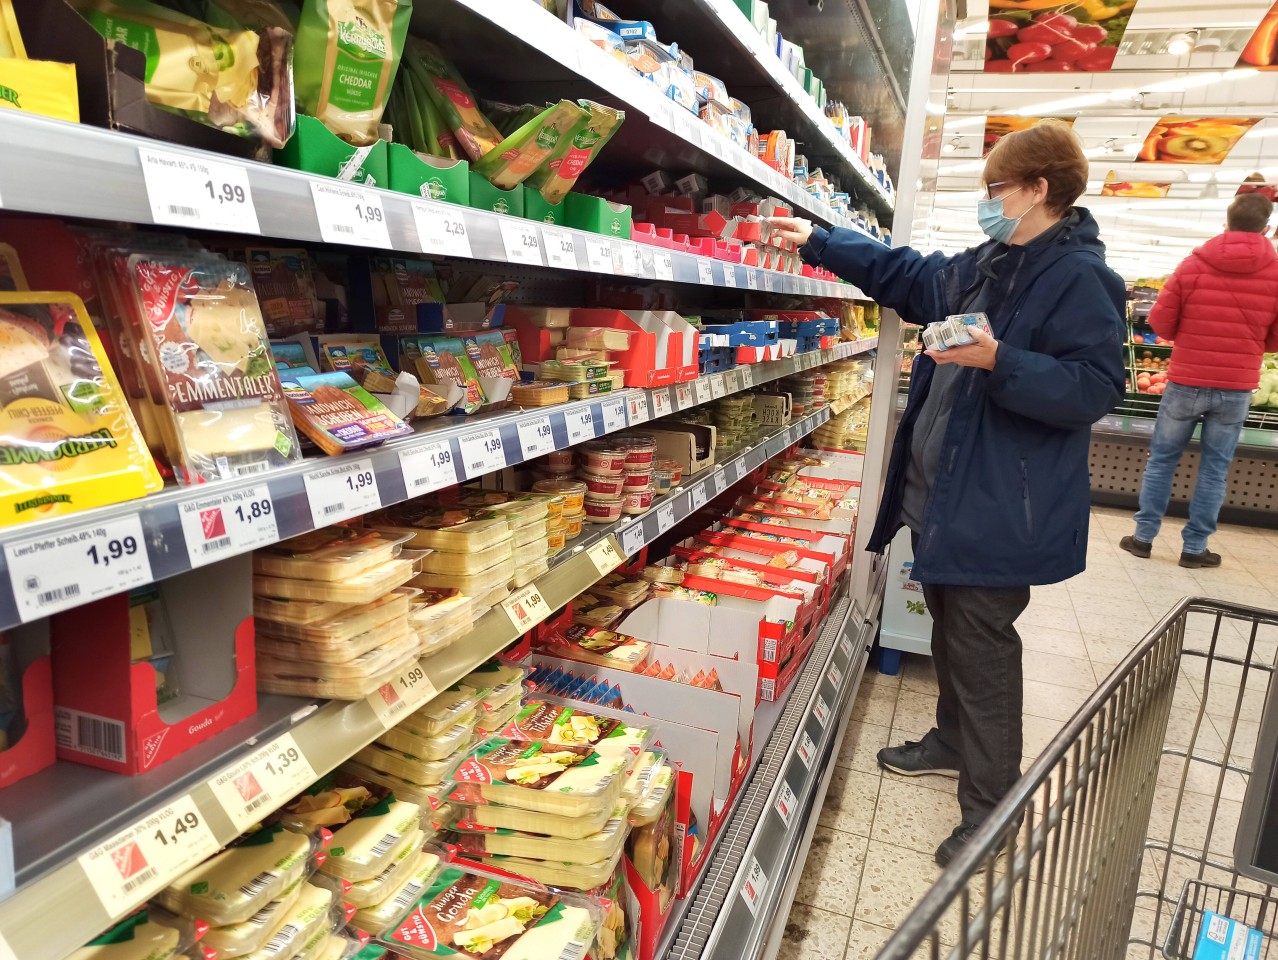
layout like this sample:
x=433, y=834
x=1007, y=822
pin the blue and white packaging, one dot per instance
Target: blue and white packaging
x=1220, y=938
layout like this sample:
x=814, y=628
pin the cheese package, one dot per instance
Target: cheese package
x=337, y=413
x=288, y=680
x=416, y=770
x=494, y=816
x=473, y=584
x=549, y=778
x=495, y=683
x=379, y=917
x=446, y=709
x=346, y=624
x=355, y=353
x=362, y=848
x=555, y=723
x=330, y=553
x=297, y=612
x=469, y=913
x=472, y=562
x=365, y=893
x=247, y=936
x=149, y=934
x=365, y=588
x=476, y=839
x=427, y=796
x=558, y=873
x=291, y=651
x=437, y=613
x=233, y=885
x=526, y=573
x=69, y=438
x=450, y=530
x=390, y=648
x=427, y=748
x=489, y=723
x=606, y=648
x=213, y=361
x=312, y=913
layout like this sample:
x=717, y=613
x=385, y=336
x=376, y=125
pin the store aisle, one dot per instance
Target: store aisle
x=871, y=856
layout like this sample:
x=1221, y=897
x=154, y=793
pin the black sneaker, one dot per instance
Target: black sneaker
x=1204, y=559
x=956, y=841
x=1137, y=548
x=913, y=759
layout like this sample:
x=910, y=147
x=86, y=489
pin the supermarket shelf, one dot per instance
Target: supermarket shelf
x=73, y=170
x=1262, y=441
x=317, y=492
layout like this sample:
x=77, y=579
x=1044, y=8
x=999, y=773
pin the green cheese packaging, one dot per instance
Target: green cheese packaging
x=554, y=178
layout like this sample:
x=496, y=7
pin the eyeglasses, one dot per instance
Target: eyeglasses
x=990, y=188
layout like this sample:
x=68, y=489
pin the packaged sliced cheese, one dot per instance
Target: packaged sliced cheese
x=495, y=683
x=652, y=800
x=149, y=934
x=378, y=918
x=543, y=777
x=393, y=647
x=476, y=839
x=237, y=939
x=451, y=531
x=348, y=623
x=374, y=890
x=311, y=914
x=287, y=681
x=428, y=748
x=362, y=848
x=453, y=706
x=337, y=413
x=555, y=723
x=408, y=767
x=480, y=584
x=277, y=649
x=330, y=553
x=486, y=724
x=428, y=796
x=470, y=562
x=557, y=873
x=362, y=589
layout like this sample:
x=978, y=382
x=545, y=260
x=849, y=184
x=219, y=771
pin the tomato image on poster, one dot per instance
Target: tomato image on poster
x=1051, y=36
x=1206, y=140
x=1262, y=49
x=996, y=128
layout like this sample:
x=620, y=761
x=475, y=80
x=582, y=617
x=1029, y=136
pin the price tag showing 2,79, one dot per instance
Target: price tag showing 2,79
x=604, y=556
x=194, y=191
x=441, y=229
x=262, y=781
x=522, y=244
x=526, y=608
x=341, y=492
x=397, y=698
x=148, y=855
x=536, y=437
x=482, y=453
x=427, y=468
x=228, y=523
x=349, y=214
x=52, y=573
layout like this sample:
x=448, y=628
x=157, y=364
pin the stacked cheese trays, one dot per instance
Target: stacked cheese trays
x=734, y=421
x=596, y=645
x=331, y=614
x=609, y=599
x=151, y=933
x=586, y=377
x=529, y=516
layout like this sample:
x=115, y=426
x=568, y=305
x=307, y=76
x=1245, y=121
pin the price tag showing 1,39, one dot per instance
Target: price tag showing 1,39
x=632, y=539
x=342, y=492
x=147, y=856
x=756, y=884
x=663, y=265
x=705, y=271
x=192, y=191
x=638, y=408
x=526, y=608
x=397, y=698
x=56, y=572
x=535, y=437
x=349, y=214
x=599, y=255
x=604, y=556
x=427, y=468
x=482, y=453
x=226, y=524
x=581, y=424
x=821, y=710
x=786, y=802
x=614, y=414
x=262, y=781
x=441, y=229
x=561, y=250
x=520, y=239
x=701, y=388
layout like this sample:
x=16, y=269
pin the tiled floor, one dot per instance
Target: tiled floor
x=871, y=857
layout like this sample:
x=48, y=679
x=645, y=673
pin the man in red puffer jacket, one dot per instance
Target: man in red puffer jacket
x=1221, y=309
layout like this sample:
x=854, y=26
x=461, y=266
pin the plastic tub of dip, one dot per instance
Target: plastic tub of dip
x=641, y=449
x=637, y=501
x=603, y=459
x=603, y=509
x=573, y=492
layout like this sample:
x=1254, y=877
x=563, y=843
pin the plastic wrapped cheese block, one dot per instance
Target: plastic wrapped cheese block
x=452, y=531
x=309, y=915
x=646, y=809
x=396, y=644
x=470, y=562
x=296, y=612
x=495, y=683
x=233, y=885
x=470, y=913
x=542, y=777
x=488, y=724
x=365, y=588
x=478, y=840
x=346, y=623
x=529, y=572
x=150, y=934
x=453, y=706
x=238, y=939
x=374, y=890
x=428, y=796
x=476, y=585
x=406, y=766
x=496, y=817
x=558, y=873
x=428, y=748
x=432, y=641
x=287, y=681
x=350, y=648
x=555, y=723
x=330, y=553
x=362, y=848
x=378, y=918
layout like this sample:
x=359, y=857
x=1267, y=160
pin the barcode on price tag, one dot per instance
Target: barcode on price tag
x=735, y=471
x=148, y=855
x=718, y=481
x=535, y=437
x=631, y=259
x=660, y=402
x=441, y=229
x=663, y=264
x=755, y=885
x=219, y=526
x=341, y=492
x=614, y=414
x=786, y=803
x=56, y=572
x=396, y=699
x=683, y=396
x=665, y=516
x=526, y=608
x=561, y=248
x=747, y=375
x=632, y=539
x=262, y=781
x=701, y=388
x=729, y=275
x=638, y=408
x=705, y=271
x=482, y=453
x=599, y=255
x=349, y=214
x=604, y=556
x=717, y=387
x=194, y=191
x=520, y=239
x=821, y=710
x=581, y=424
x=807, y=750
x=427, y=468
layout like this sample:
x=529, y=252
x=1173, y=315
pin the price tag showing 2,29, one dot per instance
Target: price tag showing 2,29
x=262, y=781
x=535, y=437
x=397, y=698
x=632, y=538
x=717, y=387
x=705, y=271
x=526, y=608
x=52, y=573
x=520, y=239
x=752, y=278
x=665, y=516
x=786, y=803
x=660, y=402
x=341, y=492
x=683, y=395
x=729, y=275
x=349, y=214
x=807, y=749
x=148, y=855
x=701, y=388
x=192, y=191
x=638, y=408
x=663, y=265
x=821, y=710
x=561, y=249
x=698, y=496
x=482, y=453
x=228, y=523
x=755, y=885
x=581, y=424
x=441, y=229
x=614, y=414
x=428, y=468
x=599, y=255
x=604, y=556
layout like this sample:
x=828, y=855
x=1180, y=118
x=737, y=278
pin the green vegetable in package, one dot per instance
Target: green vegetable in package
x=515, y=159
x=347, y=55
x=572, y=155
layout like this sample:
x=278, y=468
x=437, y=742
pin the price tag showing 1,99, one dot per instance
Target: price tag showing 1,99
x=755, y=885
x=194, y=191
x=705, y=271
x=349, y=214
x=428, y=468
x=397, y=698
x=482, y=453
x=786, y=803
x=341, y=492
x=535, y=437
x=581, y=425
x=526, y=608
x=262, y=781
x=219, y=526
x=561, y=250
x=660, y=402
x=614, y=414
x=604, y=556
x=441, y=229
x=522, y=244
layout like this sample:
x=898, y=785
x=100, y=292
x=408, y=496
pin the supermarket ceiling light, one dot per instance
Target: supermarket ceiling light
x=1182, y=43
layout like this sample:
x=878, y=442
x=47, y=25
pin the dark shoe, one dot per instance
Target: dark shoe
x=956, y=841
x=1137, y=548
x=913, y=759
x=1204, y=559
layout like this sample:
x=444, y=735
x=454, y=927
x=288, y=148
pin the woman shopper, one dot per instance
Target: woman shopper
x=989, y=465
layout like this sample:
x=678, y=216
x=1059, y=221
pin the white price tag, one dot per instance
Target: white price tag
x=769, y=281
x=147, y=856
x=698, y=496
x=845, y=648
x=482, y=453
x=786, y=803
x=718, y=482
x=194, y=191
x=526, y=608
x=631, y=260
x=349, y=214
x=665, y=516
x=341, y=492
x=614, y=414
x=717, y=387
x=752, y=279
x=660, y=402
x=729, y=275
x=705, y=271
x=735, y=471
x=747, y=375
x=520, y=239
x=821, y=710
x=536, y=438
x=397, y=698
x=683, y=396
x=807, y=750
x=427, y=468
x=632, y=539
x=701, y=388
x=599, y=255
x=638, y=408
x=663, y=264
x=756, y=884
x=219, y=526
x=56, y=572
x=581, y=424
x=835, y=675
x=561, y=248
x=262, y=781
x=604, y=556
x=441, y=229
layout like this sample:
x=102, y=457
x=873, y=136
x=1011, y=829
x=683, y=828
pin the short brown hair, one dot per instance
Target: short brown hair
x=1250, y=212
x=1050, y=150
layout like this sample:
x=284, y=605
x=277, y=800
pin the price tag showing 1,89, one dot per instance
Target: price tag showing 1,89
x=397, y=698
x=441, y=229
x=522, y=244
x=561, y=250
x=349, y=214
x=192, y=191
x=427, y=468
x=536, y=437
x=755, y=885
x=228, y=523
x=526, y=608
x=341, y=492
x=262, y=781
x=482, y=453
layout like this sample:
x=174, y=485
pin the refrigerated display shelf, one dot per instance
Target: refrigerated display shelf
x=70, y=170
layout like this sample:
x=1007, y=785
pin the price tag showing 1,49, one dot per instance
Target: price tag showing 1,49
x=604, y=556
x=526, y=608
x=341, y=492
x=397, y=698
x=441, y=229
x=698, y=496
x=427, y=468
x=632, y=538
x=53, y=573
x=192, y=191
x=665, y=516
x=262, y=781
x=535, y=437
x=482, y=453
x=522, y=244
x=581, y=424
x=349, y=214
x=229, y=523
x=561, y=249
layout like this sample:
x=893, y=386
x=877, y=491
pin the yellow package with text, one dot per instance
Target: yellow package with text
x=39, y=86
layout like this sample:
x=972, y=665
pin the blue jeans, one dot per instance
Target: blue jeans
x=1221, y=413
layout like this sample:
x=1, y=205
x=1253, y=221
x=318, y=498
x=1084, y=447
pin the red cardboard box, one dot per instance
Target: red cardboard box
x=32, y=741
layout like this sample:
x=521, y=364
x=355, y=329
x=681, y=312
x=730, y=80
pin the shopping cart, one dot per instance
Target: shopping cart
x=1122, y=832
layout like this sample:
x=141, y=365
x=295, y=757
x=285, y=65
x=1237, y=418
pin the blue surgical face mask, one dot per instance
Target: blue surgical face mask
x=993, y=222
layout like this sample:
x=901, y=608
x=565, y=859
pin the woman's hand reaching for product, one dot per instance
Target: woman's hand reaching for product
x=981, y=354
x=795, y=229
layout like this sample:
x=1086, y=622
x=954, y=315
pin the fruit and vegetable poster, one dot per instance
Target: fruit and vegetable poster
x=1050, y=36
x=1133, y=188
x=996, y=128
x=1205, y=140
x=1261, y=50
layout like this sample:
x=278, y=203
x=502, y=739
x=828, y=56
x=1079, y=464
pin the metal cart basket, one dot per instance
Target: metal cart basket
x=1122, y=831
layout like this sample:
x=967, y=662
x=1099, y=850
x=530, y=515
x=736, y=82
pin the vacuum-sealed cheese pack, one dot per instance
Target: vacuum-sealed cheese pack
x=552, y=778
x=364, y=847
x=557, y=723
x=378, y=917
x=238, y=939
x=150, y=934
